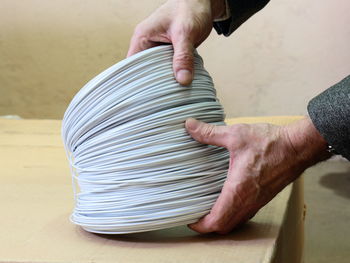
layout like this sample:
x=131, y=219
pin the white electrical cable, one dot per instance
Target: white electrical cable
x=131, y=158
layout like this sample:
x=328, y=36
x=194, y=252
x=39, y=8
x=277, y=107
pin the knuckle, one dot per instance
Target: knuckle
x=208, y=131
x=139, y=29
x=140, y=38
x=236, y=136
x=184, y=58
x=184, y=29
x=143, y=41
x=141, y=33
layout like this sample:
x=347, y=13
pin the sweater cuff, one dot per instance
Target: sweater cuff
x=330, y=113
x=241, y=11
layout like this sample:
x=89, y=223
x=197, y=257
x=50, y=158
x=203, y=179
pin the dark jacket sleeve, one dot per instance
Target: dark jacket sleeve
x=330, y=113
x=241, y=10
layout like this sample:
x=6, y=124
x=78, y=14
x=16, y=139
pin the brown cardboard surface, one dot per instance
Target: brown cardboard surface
x=36, y=200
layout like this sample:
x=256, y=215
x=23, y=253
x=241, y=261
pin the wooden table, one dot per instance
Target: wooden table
x=36, y=200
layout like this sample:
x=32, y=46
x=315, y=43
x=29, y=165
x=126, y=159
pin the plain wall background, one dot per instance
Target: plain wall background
x=272, y=65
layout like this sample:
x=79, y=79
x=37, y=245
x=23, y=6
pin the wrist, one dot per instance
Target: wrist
x=307, y=143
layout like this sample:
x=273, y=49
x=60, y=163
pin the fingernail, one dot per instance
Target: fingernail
x=191, y=124
x=184, y=76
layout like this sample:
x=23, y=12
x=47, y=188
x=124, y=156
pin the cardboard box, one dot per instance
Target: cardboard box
x=36, y=199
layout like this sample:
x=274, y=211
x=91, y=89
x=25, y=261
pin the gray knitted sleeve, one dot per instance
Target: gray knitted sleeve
x=330, y=113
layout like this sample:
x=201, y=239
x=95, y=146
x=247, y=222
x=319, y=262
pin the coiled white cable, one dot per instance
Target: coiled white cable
x=136, y=167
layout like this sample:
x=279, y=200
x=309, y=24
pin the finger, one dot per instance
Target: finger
x=222, y=215
x=208, y=133
x=139, y=43
x=183, y=60
x=229, y=211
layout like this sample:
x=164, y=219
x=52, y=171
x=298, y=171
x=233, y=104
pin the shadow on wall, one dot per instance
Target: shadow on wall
x=338, y=182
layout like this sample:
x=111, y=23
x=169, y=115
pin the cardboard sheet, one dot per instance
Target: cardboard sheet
x=36, y=200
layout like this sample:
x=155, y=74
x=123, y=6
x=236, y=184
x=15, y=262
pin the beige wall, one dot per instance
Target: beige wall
x=272, y=65
x=282, y=57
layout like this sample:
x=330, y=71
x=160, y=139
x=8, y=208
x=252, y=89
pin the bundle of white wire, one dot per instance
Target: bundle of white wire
x=136, y=167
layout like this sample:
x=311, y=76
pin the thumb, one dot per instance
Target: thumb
x=208, y=133
x=183, y=61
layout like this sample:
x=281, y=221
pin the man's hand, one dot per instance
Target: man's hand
x=185, y=24
x=264, y=159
